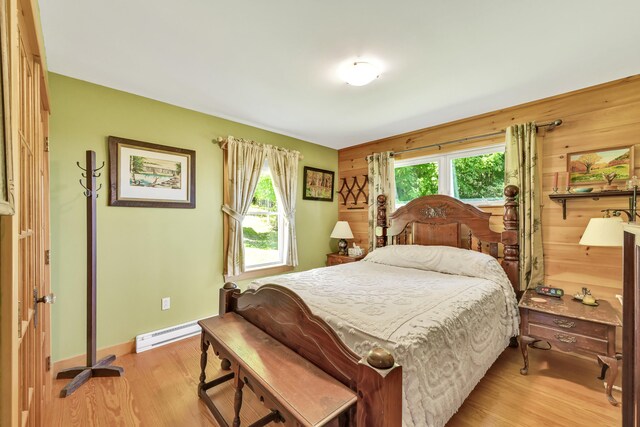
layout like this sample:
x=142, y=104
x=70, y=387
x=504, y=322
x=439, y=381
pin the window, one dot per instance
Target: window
x=473, y=176
x=263, y=226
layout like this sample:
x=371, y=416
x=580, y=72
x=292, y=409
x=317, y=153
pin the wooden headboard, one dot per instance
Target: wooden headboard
x=444, y=220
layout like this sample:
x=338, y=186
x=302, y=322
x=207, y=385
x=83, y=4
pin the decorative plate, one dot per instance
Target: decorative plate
x=583, y=189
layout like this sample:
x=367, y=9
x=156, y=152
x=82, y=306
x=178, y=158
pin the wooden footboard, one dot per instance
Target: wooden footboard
x=283, y=316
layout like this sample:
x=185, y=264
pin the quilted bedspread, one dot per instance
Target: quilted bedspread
x=446, y=314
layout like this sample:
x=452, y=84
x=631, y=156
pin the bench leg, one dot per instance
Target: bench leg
x=204, y=346
x=237, y=400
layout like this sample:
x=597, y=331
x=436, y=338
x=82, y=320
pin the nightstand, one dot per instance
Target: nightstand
x=336, y=258
x=570, y=326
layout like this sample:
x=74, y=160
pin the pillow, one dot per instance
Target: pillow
x=444, y=259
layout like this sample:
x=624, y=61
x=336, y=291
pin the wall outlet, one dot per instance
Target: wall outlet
x=166, y=303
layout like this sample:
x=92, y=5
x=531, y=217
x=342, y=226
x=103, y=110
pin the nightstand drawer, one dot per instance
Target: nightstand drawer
x=567, y=324
x=568, y=341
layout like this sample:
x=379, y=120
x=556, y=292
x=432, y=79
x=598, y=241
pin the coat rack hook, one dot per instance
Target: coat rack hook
x=96, y=175
x=99, y=187
x=78, y=164
x=96, y=170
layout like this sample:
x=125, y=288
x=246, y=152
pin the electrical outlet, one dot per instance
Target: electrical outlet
x=166, y=303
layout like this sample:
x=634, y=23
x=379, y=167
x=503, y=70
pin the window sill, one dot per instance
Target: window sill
x=260, y=272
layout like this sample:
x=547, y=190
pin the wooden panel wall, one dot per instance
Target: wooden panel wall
x=606, y=115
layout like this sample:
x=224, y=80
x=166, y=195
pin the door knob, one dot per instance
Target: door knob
x=47, y=299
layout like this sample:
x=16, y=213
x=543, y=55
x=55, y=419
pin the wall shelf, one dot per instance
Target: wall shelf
x=563, y=197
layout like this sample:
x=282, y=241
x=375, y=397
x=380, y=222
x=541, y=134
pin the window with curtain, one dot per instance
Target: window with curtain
x=260, y=195
x=474, y=176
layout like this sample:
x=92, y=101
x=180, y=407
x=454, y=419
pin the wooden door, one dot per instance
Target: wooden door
x=24, y=238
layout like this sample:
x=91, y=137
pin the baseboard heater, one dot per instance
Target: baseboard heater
x=161, y=337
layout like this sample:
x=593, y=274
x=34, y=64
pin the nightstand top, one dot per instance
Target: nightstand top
x=568, y=307
x=357, y=258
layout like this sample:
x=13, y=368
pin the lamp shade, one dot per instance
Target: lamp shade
x=342, y=231
x=603, y=232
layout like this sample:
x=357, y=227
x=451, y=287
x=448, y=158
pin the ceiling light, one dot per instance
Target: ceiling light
x=359, y=73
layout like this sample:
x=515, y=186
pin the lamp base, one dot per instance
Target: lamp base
x=342, y=245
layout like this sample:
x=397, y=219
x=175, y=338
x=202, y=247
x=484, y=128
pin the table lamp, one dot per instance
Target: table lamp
x=603, y=232
x=342, y=231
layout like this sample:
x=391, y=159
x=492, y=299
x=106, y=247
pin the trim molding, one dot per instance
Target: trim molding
x=79, y=360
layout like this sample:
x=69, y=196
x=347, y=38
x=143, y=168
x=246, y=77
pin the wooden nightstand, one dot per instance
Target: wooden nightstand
x=335, y=259
x=570, y=326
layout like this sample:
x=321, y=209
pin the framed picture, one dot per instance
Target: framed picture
x=142, y=174
x=318, y=184
x=6, y=157
x=591, y=167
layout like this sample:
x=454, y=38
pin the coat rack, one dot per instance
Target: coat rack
x=101, y=368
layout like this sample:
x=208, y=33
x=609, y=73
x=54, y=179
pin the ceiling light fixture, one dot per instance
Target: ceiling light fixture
x=359, y=73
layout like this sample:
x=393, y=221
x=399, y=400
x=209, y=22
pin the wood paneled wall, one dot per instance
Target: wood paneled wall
x=606, y=115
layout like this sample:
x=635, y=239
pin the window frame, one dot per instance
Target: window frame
x=281, y=232
x=445, y=175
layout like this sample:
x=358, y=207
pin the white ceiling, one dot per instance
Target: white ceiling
x=272, y=64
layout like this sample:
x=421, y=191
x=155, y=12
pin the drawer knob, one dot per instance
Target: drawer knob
x=565, y=338
x=564, y=323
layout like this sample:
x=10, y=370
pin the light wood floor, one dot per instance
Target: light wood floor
x=159, y=389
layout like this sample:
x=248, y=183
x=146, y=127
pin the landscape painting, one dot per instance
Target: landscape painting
x=150, y=172
x=143, y=174
x=318, y=184
x=591, y=167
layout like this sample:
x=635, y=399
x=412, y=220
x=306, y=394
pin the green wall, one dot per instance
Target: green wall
x=145, y=254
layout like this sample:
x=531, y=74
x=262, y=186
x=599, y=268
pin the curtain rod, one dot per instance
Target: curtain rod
x=550, y=125
x=223, y=145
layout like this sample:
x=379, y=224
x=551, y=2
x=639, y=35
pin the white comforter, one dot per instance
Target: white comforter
x=445, y=313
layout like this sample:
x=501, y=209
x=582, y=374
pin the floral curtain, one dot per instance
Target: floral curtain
x=521, y=169
x=244, y=162
x=381, y=181
x=284, y=171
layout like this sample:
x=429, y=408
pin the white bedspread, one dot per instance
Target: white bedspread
x=444, y=327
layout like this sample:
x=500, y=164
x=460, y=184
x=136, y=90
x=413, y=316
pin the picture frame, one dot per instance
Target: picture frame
x=142, y=174
x=6, y=151
x=588, y=167
x=318, y=184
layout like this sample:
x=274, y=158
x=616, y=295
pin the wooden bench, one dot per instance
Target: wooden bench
x=295, y=364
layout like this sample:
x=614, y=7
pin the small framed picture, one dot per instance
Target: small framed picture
x=142, y=174
x=597, y=166
x=318, y=184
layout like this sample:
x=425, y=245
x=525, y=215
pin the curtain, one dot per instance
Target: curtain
x=381, y=181
x=284, y=171
x=244, y=162
x=521, y=169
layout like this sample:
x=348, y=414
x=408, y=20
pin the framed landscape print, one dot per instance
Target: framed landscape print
x=142, y=174
x=591, y=167
x=318, y=184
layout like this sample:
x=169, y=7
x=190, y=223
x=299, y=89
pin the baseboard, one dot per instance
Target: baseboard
x=81, y=359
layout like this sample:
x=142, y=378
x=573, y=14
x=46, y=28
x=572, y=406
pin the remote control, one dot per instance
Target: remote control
x=551, y=292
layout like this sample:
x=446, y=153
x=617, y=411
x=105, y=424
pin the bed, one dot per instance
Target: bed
x=444, y=309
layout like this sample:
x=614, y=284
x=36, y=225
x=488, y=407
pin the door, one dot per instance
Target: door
x=26, y=384
x=33, y=231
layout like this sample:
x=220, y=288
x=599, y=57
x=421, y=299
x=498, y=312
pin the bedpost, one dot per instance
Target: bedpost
x=379, y=390
x=511, y=261
x=226, y=292
x=381, y=221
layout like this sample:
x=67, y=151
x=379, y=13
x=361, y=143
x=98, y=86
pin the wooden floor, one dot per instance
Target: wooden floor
x=159, y=389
